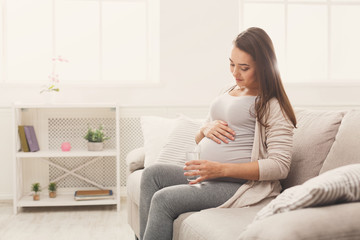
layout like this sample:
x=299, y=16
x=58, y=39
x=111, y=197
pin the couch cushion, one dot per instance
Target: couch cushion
x=133, y=186
x=345, y=149
x=165, y=139
x=177, y=224
x=337, y=222
x=215, y=223
x=155, y=131
x=313, y=137
x=338, y=185
x=180, y=140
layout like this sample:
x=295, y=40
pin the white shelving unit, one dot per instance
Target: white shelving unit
x=78, y=169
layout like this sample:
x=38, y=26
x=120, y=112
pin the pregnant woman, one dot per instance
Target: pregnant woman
x=246, y=145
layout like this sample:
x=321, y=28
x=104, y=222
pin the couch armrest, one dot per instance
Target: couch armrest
x=135, y=159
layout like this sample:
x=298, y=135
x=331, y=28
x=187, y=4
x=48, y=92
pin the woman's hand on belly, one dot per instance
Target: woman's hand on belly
x=204, y=169
x=218, y=131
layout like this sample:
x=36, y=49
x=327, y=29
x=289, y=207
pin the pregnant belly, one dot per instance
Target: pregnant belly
x=238, y=151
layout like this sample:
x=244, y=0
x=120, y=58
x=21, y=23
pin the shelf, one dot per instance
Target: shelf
x=73, y=153
x=65, y=105
x=62, y=200
x=76, y=168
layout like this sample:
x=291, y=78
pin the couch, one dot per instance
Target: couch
x=324, y=140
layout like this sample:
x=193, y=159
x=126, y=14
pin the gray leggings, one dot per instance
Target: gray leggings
x=165, y=194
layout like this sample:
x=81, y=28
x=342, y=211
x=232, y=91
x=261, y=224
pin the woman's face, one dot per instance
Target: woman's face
x=242, y=67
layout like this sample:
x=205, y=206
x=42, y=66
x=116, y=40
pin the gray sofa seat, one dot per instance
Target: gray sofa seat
x=227, y=223
x=340, y=221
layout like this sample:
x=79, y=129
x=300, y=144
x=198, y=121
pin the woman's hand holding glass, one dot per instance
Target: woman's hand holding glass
x=218, y=131
x=204, y=169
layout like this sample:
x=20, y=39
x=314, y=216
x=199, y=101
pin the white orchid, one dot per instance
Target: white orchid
x=53, y=77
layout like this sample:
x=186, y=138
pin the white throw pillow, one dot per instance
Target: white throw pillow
x=181, y=139
x=155, y=132
x=337, y=185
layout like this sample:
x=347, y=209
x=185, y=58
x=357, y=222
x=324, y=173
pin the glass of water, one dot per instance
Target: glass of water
x=193, y=154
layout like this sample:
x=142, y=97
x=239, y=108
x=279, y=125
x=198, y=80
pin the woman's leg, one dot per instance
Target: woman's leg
x=154, y=178
x=168, y=203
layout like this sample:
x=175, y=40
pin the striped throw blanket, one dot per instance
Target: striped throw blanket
x=338, y=185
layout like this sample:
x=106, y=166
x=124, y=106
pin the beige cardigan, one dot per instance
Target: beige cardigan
x=272, y=148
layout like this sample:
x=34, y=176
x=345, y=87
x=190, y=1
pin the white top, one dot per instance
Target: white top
x=238, y=112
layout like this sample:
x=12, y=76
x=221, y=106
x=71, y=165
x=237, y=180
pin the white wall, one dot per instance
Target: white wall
x=323, y=94
x=195, y=40
x=6, y=160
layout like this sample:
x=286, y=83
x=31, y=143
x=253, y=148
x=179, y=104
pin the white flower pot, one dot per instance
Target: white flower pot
x=95, y=146
x=49, y=97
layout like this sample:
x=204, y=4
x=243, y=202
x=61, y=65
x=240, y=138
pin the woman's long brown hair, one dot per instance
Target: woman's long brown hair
x=258, y=44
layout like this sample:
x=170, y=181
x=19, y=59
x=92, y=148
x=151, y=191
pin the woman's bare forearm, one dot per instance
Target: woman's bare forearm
x=212, y=170
x=248, y=171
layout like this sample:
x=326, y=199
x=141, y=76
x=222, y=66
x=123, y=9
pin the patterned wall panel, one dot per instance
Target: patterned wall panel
x=102, y=171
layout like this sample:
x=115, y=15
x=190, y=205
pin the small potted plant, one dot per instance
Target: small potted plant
x=95, y=138
x=35, y=187
x=52, y=190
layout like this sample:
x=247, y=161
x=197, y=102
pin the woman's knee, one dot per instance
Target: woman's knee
x=149, y=172
x=155, y=170
x=152, y=176
x=162, y=201
x=148, y=177
x=163, y=174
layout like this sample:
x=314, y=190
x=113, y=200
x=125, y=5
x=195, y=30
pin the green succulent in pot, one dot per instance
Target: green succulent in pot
x=96, y=135
x=95, y=138
x=35, y=187
x=52, y=189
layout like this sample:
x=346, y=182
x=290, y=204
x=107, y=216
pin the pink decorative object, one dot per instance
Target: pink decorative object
x=65, y=146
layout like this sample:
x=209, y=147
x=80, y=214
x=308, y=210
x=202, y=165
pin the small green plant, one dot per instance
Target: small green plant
x=35, y=187
x=52, y=187
x=95, y=135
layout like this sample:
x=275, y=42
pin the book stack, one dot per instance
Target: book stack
x=28, y=139
x=93, y=195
